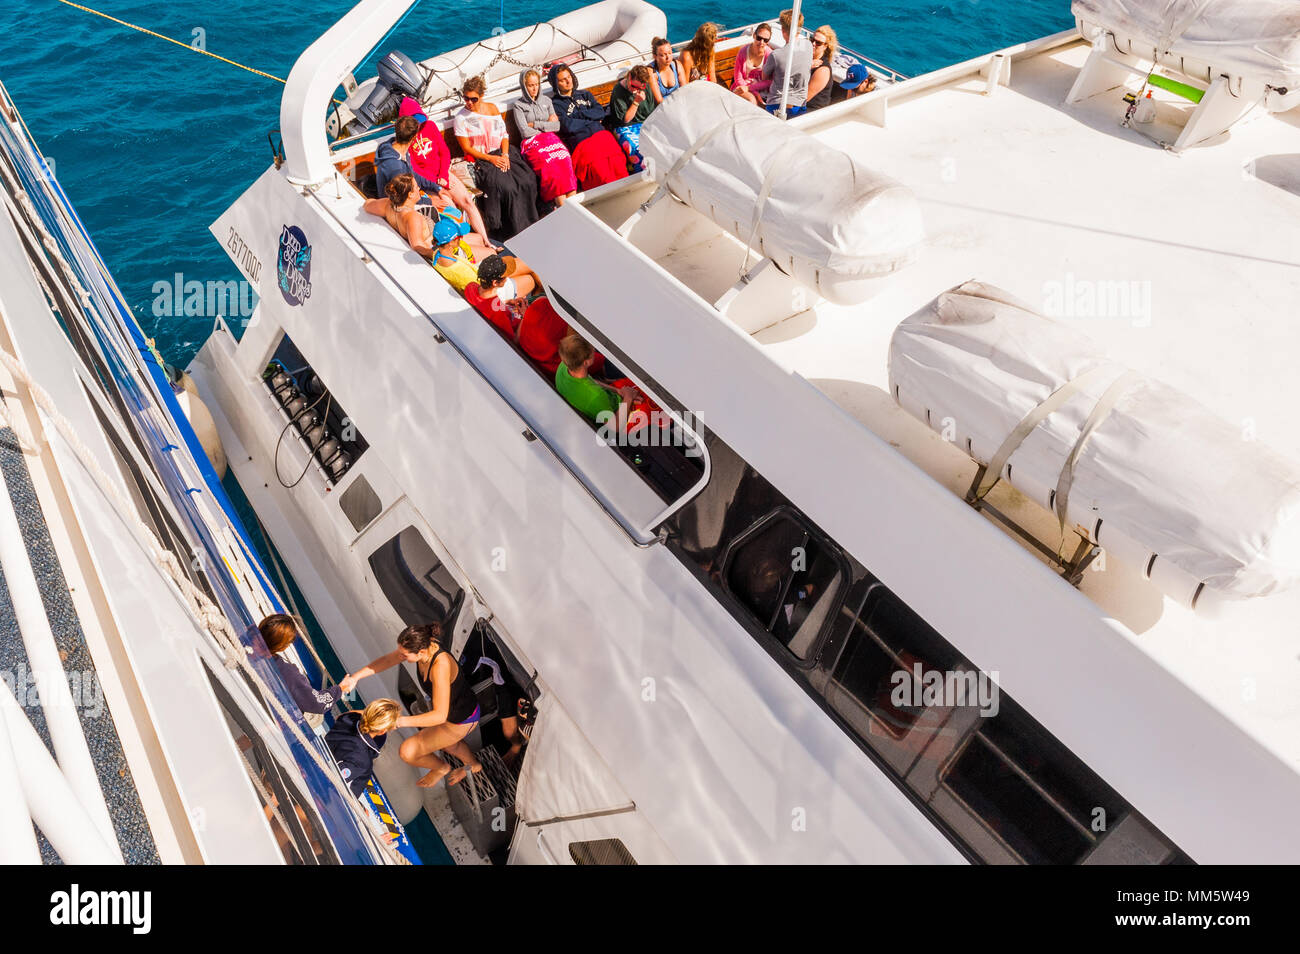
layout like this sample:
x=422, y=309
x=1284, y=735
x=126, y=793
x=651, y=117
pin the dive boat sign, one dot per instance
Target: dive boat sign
x=293, y=265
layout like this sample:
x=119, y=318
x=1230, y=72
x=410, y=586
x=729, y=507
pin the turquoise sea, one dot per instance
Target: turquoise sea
x=152, y=141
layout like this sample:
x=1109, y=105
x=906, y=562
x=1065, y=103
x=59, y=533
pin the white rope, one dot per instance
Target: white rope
x=213, y=620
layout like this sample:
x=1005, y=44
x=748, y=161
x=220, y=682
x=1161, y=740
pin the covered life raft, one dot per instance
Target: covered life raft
x=818, y=213
x=1137, y=466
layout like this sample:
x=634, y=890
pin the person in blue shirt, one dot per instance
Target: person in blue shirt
x=357, y=739
x=392, y=158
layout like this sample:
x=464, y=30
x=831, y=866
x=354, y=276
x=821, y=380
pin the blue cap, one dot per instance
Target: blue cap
x=856, y=76
x=447, y=229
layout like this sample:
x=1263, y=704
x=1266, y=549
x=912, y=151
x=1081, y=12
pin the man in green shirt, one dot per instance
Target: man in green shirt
x=587, y=395
x=630, y=102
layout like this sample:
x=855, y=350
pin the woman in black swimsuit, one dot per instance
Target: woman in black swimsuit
x=455, y=710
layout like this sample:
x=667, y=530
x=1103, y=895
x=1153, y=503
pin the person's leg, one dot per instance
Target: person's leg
x=466, y=755
x=421, y=750
x=525, y=285
x=465, y=202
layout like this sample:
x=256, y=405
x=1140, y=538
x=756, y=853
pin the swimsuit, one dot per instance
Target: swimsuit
x=677, y=84
x=462, y=707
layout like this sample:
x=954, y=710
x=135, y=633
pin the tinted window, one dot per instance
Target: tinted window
x=886, y=638
x=787, y=579
x=360, y=504
x=417, y=585
x=606, y=851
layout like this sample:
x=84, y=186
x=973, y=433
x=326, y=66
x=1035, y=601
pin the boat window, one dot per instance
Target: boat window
x=298, y=832
x=1029, y=791
x=787, y=578
x=605, y=851
x=417, y=584
x=885, y=638
x=360, y=504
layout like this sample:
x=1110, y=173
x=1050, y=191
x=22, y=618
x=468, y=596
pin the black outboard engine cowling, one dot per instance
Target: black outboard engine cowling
x=399, y=76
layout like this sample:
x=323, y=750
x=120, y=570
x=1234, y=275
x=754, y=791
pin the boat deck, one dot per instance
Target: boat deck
x=1192, y=263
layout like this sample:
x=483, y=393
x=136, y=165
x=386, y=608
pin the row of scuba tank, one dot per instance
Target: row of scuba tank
x=307, y=408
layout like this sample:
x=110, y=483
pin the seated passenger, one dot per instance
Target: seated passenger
x=597, y=156
x=629, y=104
x=454, y=257
x=820, y=85
x=668, y=77
x=857, y=80
x=501, y=293
x=592, y=398
x=278, y=632
x=430, y=160
x=795, y=59
x=400, y=209
x=535, y=117
x=697, y=56
x=393, y=157
x=508, y=184
x=539, y=334
x=747, y=80
x=357, y=737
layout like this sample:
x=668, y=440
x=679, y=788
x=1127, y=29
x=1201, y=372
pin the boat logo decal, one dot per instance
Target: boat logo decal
x=293, y=266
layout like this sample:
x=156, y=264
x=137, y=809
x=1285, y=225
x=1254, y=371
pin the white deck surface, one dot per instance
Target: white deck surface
x=1041, y=199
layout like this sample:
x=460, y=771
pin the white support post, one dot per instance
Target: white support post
x=54, y=806
x=1214, y=115
x=1104, y=71
x=17, y=837
x=47, y=670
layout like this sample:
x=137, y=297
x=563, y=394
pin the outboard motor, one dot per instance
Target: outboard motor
x=399, y=76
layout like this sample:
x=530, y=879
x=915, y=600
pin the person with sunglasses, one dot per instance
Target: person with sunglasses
x=630, y=102
x=508, y=184
x=820, y=86
x=747, y=79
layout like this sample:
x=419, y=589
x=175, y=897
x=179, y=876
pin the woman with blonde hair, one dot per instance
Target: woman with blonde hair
x=356, y=739
x=697, y=56
x=825, y=44
x=508, y=184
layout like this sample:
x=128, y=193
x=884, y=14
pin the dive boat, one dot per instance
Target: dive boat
x=972, y=532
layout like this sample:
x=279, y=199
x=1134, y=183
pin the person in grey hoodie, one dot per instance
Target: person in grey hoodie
x=534, y=112
x=534, y=115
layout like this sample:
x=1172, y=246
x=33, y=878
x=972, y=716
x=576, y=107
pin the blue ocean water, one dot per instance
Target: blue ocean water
x=152, y=142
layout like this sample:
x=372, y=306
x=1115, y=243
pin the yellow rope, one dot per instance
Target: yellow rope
x=169, y=40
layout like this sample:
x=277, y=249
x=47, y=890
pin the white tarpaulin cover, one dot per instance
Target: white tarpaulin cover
x=1259, y=39
x=1164, y=475
x=818, y=213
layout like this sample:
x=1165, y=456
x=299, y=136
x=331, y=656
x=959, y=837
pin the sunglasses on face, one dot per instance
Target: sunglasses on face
x=637, y=87
x=763, y=39
x=817, y=42
x=471, y=99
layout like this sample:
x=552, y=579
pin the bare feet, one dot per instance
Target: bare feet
x=457, y=774
x=434, y=776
